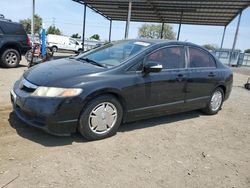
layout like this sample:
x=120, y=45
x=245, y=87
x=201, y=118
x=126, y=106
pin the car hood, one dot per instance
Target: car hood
x=60, y=72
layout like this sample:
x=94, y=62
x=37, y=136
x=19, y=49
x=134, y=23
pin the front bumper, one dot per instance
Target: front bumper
x=58, y=116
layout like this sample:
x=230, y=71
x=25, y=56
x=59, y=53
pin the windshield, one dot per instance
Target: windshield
x=114, y=54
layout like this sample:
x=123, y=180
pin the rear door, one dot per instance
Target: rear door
x=202, y=75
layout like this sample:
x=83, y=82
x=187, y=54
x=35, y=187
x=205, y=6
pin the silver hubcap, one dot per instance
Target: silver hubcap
x=11, y=58
x=102, y=118
x=216, y=100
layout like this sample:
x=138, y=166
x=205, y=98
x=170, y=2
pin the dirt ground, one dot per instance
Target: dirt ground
x=183, y=150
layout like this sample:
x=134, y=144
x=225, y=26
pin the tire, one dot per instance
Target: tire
x=247, y=86
x=214, y=109
x=54, y=48
x=28, y=55
x=95, y=123
x=10, y=58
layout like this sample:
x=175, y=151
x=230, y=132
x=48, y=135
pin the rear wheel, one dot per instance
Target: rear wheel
x=54, y=48
x=100, y=118
x=10, y=58
x=215, y=102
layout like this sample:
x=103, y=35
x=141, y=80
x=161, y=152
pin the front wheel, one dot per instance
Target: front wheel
x=101, y=118
x=215, y=102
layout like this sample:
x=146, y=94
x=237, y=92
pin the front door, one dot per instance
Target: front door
x=161, y=92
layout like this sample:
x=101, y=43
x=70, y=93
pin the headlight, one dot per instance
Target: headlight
x=56, y=92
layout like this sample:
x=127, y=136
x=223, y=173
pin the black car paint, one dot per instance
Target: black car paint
x=13, y=35
x=142, y=96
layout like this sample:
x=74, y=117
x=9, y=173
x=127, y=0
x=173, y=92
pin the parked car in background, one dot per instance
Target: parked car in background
x=59, y=42
x=235, y=58
x=120, y=82
x=90, y=43
x=14, y=42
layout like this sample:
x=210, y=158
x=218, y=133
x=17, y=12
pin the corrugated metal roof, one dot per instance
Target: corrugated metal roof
x=210, y=12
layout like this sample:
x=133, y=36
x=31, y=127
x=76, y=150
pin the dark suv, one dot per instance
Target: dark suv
x=13, y=43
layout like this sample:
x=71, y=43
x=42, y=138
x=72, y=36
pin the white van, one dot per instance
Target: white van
x=57, y=42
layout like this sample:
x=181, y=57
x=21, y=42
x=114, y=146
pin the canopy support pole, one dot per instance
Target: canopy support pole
x=179, y=30
x=223, y=36
x=162, y=28
x=110, y=28
x=128, y=19
x=32, y=20
x=235, y=37
x=83, y=27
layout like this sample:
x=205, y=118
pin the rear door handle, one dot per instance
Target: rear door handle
x=211, y=74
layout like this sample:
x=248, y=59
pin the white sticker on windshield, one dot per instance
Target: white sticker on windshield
x=142, y=43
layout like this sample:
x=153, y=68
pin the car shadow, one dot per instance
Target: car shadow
x=39, y=136
x=45, y=139
x=141, y=124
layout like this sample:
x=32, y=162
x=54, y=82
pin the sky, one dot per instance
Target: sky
x=68, y=17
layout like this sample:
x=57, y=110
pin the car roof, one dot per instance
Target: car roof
x=162, y=41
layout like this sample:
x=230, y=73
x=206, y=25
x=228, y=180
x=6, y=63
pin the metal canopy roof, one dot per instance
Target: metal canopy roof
x=210, y=12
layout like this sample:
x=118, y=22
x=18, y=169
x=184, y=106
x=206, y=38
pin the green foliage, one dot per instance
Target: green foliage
x=153, y=31
x=53, y=30
x=247, y=51
x=210, y=46
x=76, y=35
x=95, y=36
x=27, y=24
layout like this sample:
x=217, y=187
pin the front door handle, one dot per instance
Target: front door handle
x=179, y=77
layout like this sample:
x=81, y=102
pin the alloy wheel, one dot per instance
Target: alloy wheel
x=11, y=58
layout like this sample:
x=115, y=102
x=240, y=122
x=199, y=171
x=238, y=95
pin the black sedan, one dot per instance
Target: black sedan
x=123, y=81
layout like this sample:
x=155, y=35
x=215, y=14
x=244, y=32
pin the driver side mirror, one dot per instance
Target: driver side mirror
x=151, y=66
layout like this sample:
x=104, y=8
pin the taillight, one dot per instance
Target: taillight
x=28, y=41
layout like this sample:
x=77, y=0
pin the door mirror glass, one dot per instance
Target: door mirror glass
x=152, y=66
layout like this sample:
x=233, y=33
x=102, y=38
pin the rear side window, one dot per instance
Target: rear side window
x=11, y=28
x=169, y=57
x=199, y=58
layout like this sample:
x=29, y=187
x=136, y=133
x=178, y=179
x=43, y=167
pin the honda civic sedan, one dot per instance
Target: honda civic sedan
x=123, y=81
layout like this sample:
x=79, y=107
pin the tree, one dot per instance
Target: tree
x=95, y=36
x=53, y=30
x=247, y=51
x=210, y=46
x=77, y=36
x=153, y=31
x=27, y=24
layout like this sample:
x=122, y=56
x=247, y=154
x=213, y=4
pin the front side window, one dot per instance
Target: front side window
x=114, y=54
x=199, y=58
x=169, y=57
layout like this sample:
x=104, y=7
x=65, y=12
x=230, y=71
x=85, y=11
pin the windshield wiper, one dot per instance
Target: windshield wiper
x=92, y=62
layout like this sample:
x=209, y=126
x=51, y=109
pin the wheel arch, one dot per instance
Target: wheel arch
x=10, y=46
x=107, y=91
x=223, y=87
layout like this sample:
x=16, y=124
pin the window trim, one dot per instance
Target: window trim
x=188, y=60
x=163, y=47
